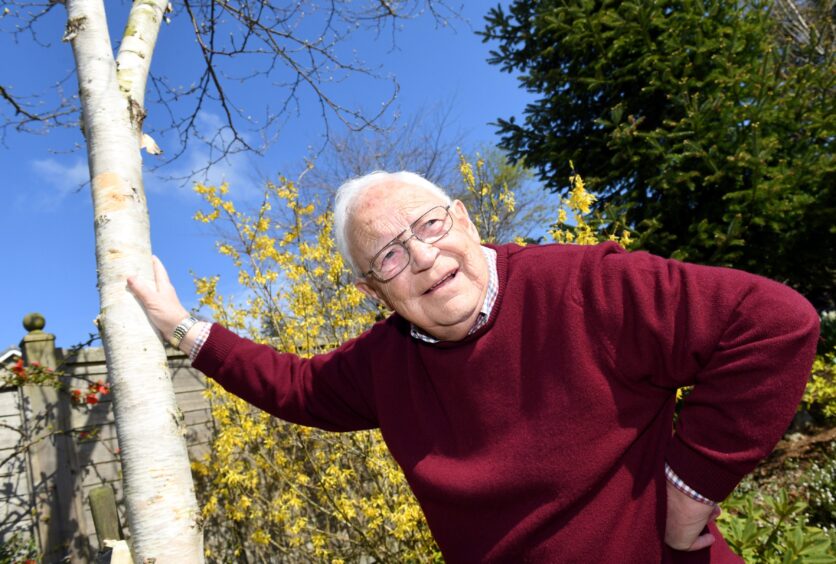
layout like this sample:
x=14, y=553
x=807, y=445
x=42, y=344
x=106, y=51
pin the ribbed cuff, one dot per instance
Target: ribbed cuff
x=677, y=482
x=700, y=473
x=214, y=351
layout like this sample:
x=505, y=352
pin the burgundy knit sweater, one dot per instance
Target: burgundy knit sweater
x=542, y=437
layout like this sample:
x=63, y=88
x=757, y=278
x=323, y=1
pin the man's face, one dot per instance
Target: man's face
x=444, y=286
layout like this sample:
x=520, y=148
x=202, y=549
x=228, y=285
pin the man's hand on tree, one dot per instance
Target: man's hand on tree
x=160, y=301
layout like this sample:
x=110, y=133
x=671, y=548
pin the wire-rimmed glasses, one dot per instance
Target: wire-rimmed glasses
x=392, y=259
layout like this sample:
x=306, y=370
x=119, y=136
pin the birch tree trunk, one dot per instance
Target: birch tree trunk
x=162, y=510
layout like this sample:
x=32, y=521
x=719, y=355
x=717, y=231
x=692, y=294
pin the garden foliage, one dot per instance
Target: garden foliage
x=785, y=512
x=773, y=530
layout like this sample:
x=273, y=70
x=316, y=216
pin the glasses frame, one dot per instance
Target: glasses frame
x=403, y=243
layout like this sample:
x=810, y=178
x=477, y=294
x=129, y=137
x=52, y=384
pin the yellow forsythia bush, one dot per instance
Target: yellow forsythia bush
x=272, y=490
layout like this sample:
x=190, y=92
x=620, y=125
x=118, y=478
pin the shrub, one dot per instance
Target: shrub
x=18, y=548
x=773, y=529
x=820, y=395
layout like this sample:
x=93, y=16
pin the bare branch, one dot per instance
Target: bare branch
x=30, y=117
x=18, y=108
x=294, y=49
x=388, y=8
x=806, y=26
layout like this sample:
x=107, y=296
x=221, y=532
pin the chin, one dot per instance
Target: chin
x=453, y=318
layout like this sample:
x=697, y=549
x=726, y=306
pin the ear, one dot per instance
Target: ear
x=460, y=213
x=367, y=289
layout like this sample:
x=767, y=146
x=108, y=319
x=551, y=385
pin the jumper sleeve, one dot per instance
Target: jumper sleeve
x=744, y=342
x=330, y=391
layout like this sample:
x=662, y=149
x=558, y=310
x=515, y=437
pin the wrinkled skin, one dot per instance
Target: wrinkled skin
x=444, y=286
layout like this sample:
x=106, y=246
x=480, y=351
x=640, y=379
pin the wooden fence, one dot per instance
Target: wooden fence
x=44, y=484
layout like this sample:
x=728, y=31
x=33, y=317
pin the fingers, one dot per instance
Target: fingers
x=138, y=288
x=714, y=514
x=159, y=300
x=160, y=292
x=160, y=274
x=703, y=541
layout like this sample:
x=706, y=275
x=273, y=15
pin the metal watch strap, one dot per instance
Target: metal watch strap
x=181, y=330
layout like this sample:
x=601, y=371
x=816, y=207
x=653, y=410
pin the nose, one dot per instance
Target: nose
x=423, y=254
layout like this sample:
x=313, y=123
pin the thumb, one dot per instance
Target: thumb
x=160, y=273
x=139, y=288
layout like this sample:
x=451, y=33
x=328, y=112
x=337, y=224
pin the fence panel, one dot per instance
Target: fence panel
x=94, y=455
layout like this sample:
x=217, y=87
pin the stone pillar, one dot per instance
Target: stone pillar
x=56, y=483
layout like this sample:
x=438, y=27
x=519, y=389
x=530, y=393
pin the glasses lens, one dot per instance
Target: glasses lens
x=390, y=261
x=433, y=225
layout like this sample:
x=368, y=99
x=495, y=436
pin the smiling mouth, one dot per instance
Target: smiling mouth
x=442, y=282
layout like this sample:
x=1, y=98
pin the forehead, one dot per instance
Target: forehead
x=386, y=209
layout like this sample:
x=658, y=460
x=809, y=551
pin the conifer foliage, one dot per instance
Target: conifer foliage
x=702, y=123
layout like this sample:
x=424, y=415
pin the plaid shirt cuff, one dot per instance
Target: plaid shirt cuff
x=201, y=329
x=677, y=482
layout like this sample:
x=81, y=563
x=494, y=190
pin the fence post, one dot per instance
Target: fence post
x=56, y=485
x=105, y=515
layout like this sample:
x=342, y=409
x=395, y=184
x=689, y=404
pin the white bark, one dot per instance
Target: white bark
x=162, y=510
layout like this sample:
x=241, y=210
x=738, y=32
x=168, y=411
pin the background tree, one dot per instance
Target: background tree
x=423, y=142
x=427, y=143
x=504, y=202
x=709, y=124
x=161, y=506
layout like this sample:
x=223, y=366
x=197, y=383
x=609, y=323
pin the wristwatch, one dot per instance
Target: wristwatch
x=181, y=330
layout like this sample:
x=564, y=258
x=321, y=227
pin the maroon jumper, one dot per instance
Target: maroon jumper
x=543, y=436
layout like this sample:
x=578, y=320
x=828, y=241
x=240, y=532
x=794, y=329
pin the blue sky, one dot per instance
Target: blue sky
x=47, y=229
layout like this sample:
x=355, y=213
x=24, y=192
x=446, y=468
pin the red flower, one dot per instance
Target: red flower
x=18, y=368
x=92, y=399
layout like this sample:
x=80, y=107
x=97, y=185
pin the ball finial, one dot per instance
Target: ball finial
x=34, y=322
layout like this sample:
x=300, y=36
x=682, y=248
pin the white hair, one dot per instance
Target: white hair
x=348, y=194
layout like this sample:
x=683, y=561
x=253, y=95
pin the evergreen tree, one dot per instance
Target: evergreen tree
x=699, y=121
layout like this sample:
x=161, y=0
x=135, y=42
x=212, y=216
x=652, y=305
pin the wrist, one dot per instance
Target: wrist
x=170, y=322
x=180, y=330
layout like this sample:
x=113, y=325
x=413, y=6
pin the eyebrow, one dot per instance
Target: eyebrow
x=392, y=241
x=397, y=237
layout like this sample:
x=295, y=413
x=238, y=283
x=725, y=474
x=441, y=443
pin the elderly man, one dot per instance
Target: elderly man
x=528, y=392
